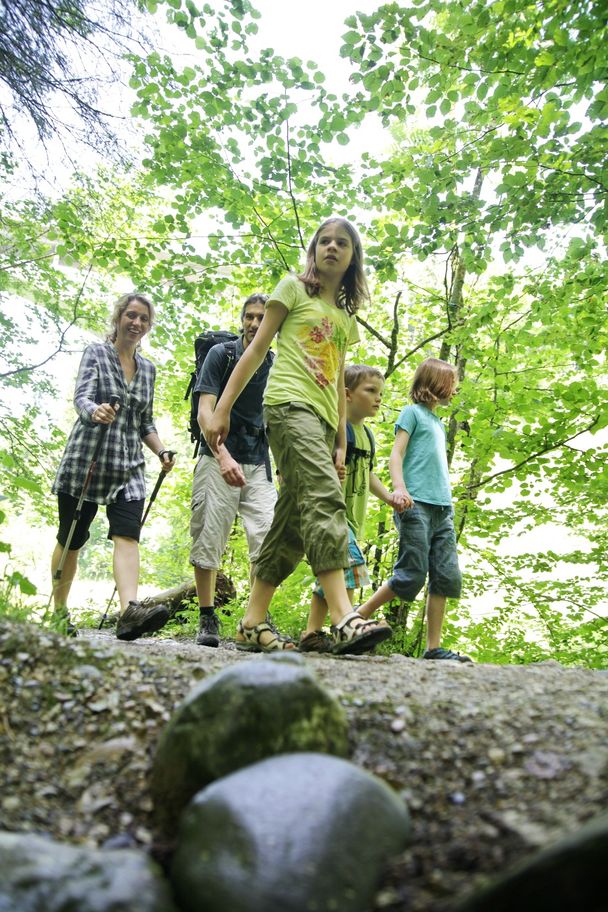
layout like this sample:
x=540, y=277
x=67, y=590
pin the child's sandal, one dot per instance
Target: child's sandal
x=356, y=639
x=316, y=641
x=251, y=639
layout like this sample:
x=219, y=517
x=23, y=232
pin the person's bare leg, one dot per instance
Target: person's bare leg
x=126, y=569
x=61, y=588
x=381, y=596
x=435, y=611
x=258, y=607
x=337, y=596
x=319, y=611
x=316, y=615
x=205, y=586
x=259, y=602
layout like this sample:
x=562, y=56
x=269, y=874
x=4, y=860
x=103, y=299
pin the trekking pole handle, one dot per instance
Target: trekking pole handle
x=169, y=453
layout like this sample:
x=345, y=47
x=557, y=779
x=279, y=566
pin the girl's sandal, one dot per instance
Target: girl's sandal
x=354, y=639
x=250, y=641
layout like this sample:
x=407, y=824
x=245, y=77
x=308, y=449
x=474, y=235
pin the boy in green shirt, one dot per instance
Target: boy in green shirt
x=364, y=387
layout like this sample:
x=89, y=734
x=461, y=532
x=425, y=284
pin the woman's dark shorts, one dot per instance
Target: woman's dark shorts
x=124, y=518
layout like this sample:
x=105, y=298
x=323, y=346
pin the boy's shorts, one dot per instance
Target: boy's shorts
x=355, y=575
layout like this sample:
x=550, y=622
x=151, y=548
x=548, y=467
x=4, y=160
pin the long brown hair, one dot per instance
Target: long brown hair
x=433, y=381
x=353, y=289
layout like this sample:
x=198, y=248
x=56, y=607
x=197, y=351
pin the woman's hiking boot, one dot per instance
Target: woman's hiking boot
x=208, y=628
x=137, y=620
x=62, y=622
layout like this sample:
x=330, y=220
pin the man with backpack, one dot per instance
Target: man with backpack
x=235, y=479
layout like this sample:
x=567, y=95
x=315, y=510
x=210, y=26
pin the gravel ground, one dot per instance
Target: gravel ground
x=493, y=761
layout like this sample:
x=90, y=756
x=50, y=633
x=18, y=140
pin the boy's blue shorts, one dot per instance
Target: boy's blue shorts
x=356, y=575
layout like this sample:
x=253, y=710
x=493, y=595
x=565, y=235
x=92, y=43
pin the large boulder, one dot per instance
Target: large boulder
x=294, y=833
x=568, y=876
x=241, y=715
x=39, y=875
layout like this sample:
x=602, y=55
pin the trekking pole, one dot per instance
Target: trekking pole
x=159, y=481
x=103, y=429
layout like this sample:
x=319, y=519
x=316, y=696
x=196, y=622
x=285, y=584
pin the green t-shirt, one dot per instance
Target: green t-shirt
x=310, y=344
x=356, y=482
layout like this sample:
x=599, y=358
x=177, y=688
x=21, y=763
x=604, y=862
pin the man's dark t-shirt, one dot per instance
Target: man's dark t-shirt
x=246, y=441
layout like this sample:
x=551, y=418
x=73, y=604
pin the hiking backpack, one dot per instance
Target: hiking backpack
x=202, y=344
x=354, y=452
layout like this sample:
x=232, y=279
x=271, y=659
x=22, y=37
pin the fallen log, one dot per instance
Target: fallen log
x=183, y=597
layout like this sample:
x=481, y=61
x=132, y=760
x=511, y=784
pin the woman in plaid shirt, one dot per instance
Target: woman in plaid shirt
x=111, y=368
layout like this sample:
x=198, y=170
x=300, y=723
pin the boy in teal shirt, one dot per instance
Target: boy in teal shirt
x=364, y=387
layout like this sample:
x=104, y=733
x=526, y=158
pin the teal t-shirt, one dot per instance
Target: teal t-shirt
x=425, y=467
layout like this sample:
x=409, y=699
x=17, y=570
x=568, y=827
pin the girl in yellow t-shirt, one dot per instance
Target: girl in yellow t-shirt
x=304, y=401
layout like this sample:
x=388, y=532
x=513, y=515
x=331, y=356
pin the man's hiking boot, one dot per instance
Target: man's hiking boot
x=441, y=653
x=208, y=629
x=138, y=620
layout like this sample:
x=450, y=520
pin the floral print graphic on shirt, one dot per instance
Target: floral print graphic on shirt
x=322, y=347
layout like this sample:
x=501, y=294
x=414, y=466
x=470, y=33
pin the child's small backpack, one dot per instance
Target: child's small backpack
x=202, y=344
x=354, y=452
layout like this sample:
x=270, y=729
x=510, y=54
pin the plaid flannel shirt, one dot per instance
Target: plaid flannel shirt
x=120, y=466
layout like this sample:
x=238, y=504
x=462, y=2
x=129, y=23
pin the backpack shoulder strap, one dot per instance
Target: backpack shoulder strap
x=372, y=446
x=230, y=354
x=352, y=451
x=350, y=442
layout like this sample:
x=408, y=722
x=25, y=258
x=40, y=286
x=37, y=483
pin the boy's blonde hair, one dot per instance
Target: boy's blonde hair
x=354, y=374
x=433, y=380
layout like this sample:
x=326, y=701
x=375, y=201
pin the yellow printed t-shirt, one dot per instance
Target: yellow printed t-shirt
x=310, y=345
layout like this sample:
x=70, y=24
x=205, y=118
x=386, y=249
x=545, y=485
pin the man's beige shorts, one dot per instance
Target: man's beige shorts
x=215, y=505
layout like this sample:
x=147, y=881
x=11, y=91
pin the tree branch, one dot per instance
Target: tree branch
x=394, y=337
x=373, y=331
x=31, y=367
x=413, y=351
x=547, y=449
x=290, y=187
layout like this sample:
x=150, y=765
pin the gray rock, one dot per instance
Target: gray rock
x=241, y=715
x=294, y=833
x=569, y=876
x=39, y=875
